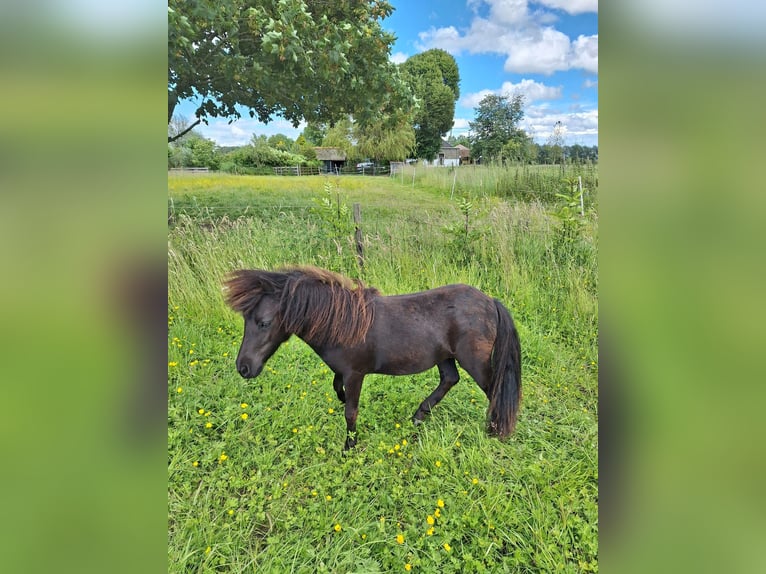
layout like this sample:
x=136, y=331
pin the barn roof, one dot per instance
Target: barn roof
x=330, y=154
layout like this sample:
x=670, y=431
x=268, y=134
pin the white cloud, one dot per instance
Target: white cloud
x=578, y=126
x=527, y=40
x=571, y=6
x=588, y=83
x=398, y=57
x=531, y=90
x=585, y=53
x=460, y=124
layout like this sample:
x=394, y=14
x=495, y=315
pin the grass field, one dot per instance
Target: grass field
x=257, y=478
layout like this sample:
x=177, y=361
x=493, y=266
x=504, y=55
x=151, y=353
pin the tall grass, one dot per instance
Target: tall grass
x=272, y=493
x=519, y=182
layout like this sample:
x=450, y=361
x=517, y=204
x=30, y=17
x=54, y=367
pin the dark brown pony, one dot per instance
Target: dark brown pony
x=356, y=331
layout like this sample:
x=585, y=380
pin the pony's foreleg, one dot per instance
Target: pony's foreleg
x=353, y=390
x=448, y=377
x=337, y=384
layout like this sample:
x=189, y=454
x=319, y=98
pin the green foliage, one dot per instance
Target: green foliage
x=434, y=79
x=385, y=143
x=284, y=498
x=336, y=228
x=313, y=60
x=193, y=151
x=341, y=136
x=496, y=123
x=465, y=233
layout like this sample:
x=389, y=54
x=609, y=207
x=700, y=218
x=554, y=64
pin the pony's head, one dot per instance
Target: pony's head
x=319, y=306
x=256, y=294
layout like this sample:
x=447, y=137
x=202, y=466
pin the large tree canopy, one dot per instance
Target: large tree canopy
x=434, y=79
x=299, y=59
x=496, y=124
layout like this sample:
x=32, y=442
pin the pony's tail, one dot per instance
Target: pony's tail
x=505, y=389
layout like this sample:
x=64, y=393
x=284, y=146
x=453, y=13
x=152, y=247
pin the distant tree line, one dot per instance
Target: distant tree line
x=326, y=64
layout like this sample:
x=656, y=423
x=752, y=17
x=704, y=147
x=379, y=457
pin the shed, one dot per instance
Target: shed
x=448, y=155
x=465, y=153
x=333, y=159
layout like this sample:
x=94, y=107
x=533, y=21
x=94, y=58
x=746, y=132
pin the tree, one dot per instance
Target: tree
x=300, y=59
x=341, y=136
x=314, y=133
x=380, y=141
x=434, y=79
x=556, y=143
x=496, y=123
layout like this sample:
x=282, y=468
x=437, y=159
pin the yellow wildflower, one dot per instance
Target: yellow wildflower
x=475, y=480
x=430, y=520
x=207, y=550
x=447, y=547
x=328, y=498
x=404, y=442
x=399, y=539
x=430, y=531
x=408, y=567
x=330, y=411
x=180, y=390
x=314, y=493
x=223, y=457
x=208, y=425
x=201, y=411
x=173, y=364
x=440, y=503
x=244, y=416
x=438, y=463
x=195, y=463
x=338, y=528
x=231, y=512
x=243, y=405
x=437, y=513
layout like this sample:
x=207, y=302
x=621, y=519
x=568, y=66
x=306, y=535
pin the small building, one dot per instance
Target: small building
x=465, y=153
x=333, y=159
x=448, y=155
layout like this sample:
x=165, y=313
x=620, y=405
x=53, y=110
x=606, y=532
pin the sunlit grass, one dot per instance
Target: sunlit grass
x=272, y=492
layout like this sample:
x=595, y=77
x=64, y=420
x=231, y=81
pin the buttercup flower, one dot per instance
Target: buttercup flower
x=440, y=503
x=338, y=528
x=408, y=567
x=447, y=547
x=430, y=520
x=399, y=539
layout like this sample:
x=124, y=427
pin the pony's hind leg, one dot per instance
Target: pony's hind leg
x=337, y=384
x=448, y=377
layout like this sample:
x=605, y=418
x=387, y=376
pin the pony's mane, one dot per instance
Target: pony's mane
x=321, y=307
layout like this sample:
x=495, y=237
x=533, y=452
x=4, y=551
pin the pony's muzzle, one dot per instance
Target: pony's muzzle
x=246, y=371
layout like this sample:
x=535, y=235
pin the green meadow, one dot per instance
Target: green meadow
x=257, y=478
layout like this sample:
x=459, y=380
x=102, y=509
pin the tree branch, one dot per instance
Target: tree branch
x=183, y=133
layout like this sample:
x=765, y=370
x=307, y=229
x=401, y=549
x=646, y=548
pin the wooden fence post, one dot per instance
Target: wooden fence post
x=358, y=235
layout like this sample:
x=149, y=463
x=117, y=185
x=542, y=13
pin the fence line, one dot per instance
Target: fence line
x=190, y=169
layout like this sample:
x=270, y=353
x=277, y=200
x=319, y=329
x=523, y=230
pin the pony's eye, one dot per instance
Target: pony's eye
x=264, y=324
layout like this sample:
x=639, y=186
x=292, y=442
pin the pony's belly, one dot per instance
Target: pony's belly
x=408, y=363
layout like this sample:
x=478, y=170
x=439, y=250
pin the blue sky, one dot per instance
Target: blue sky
x=546, y=50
